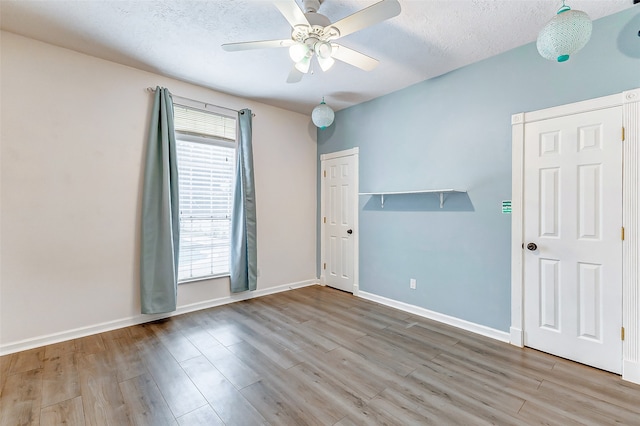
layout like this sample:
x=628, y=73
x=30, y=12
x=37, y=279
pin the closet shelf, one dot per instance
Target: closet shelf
x=441, y=192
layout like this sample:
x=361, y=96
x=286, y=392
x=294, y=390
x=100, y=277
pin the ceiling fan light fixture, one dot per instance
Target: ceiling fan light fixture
x=565, y=34
x=298, y=51
x=323, y=49
x=303, y=64
x=326, y=63
x=322, y=115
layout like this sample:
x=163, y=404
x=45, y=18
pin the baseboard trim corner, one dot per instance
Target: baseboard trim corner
x=631, y=371
x=516, y=337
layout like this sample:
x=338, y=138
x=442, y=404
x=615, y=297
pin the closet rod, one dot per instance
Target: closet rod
x=152, y=90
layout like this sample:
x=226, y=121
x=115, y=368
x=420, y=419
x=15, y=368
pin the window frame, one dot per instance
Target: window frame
x=192, y=137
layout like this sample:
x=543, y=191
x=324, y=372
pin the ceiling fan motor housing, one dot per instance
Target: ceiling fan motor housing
x=315, y=36
x=318, y=30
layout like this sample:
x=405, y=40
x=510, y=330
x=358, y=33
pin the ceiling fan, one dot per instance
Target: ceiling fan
x=314, y=35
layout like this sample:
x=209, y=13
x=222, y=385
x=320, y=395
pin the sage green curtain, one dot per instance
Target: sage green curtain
x=244, y=263
x=160, y=212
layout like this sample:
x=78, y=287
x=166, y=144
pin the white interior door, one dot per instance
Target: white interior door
x=573, y=215
x=339, y=221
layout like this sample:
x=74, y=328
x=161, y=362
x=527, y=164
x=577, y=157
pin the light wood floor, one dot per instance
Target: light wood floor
x=312, y=356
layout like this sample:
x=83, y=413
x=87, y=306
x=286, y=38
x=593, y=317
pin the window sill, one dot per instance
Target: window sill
x=208, y=277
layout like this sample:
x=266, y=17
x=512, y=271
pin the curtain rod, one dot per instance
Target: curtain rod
x=152, y=90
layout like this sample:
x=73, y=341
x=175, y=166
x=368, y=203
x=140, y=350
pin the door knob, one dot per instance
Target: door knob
x=532, y=246
x=349, y=231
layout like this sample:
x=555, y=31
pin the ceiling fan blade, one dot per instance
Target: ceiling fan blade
x=352, y=57
x=251, y=45
x=291, y=12
x=295, y=76
x=366, y=17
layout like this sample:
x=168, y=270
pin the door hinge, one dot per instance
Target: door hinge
x=324, y=173
x=324, y=266
x=324, y=219
x=621, y=333
x=623, y=134
x=622, y=234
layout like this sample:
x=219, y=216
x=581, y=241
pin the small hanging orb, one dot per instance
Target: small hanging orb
x=322, y=115
x=565, y=34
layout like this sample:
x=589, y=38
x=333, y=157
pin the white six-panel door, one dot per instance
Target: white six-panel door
x=339, y=221
x=572, y=237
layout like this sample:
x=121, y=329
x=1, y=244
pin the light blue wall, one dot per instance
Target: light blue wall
x=454, y=131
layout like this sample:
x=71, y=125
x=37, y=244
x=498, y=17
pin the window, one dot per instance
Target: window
x=206, y=162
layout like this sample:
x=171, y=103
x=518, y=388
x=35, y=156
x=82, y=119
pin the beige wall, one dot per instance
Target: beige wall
x=73, y=131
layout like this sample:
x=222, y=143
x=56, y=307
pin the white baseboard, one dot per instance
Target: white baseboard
x=503, y=336
x=76, y=333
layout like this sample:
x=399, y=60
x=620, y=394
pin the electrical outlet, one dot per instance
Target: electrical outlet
x=412, y=283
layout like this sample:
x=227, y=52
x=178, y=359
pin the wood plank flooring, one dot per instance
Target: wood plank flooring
x=312, y=356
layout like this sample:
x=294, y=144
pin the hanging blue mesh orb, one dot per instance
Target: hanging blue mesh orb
x=322, y=116
x=565, y=34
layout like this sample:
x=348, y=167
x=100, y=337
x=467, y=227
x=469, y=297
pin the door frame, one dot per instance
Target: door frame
x=323, y=246
x=630, y=102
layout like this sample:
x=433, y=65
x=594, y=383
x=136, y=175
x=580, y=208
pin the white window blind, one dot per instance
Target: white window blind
x=192, y=121
x=206, y=164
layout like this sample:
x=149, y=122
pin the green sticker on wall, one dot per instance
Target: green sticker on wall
x=506, y=207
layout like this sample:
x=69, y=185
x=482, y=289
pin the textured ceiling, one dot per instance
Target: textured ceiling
x=182, y=39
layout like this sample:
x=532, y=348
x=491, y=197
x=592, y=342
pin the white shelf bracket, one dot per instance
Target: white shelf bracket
x=382, y=201
x=441, y=199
